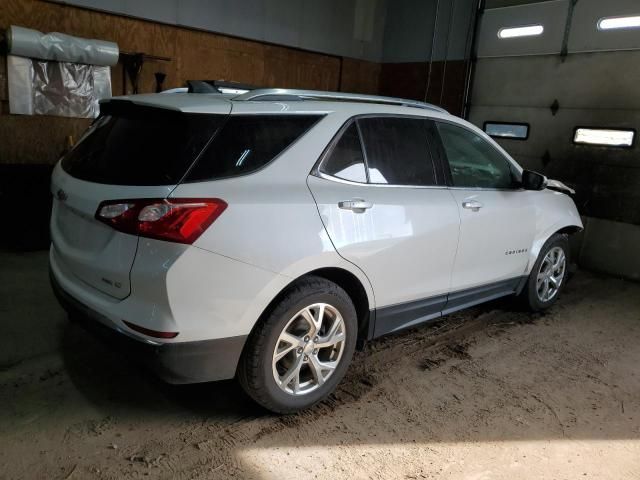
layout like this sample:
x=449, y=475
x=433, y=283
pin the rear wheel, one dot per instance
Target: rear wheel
x=300, y=352
x=549, y=274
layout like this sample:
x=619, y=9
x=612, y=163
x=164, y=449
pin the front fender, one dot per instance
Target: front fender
x=555, y=211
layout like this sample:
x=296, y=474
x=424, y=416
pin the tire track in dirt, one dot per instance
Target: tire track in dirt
x=444, y=340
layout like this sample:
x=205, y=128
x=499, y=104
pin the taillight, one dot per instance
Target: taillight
x=179, y=220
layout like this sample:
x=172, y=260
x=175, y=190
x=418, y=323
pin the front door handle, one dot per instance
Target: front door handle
x=472, y=205
x=357, y=205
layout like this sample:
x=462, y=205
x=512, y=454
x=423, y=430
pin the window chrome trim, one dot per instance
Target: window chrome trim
x=316, y=171
x=328, y=150
x=517, y=189
x=331, y=178
x=363, y=150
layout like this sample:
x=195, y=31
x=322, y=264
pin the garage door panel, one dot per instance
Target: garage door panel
x=591, y=80
x=585, y=35
x=552, y=15
x=595, y=84
x=554, y=133
x=605, y=178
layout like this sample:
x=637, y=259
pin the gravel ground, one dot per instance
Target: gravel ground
x=490, y=393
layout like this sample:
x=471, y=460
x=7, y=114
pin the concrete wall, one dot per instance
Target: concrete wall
x=421, y=30
x=426, y=50
x=349, y=28
x=595, y=85
x=422, y=45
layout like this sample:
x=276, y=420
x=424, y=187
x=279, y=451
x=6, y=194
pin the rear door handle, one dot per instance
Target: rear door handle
x=357, y=205
x=472, y=205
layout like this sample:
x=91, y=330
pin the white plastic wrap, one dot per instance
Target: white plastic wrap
x=57, y=74
x=25, y=42
x=56, y=88
x=20, y=80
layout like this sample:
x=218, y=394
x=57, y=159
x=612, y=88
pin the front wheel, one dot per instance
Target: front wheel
x=300, y=352
x=548, y=275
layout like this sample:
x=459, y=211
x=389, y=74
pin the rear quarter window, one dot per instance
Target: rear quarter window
x=246, y=143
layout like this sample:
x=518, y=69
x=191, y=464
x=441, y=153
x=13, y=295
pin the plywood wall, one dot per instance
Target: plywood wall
x=441, y=82
x=194, y=55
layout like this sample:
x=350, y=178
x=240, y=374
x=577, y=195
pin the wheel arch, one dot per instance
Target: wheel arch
x=356, y=291
x=569, y=230
x=542, y=239
x=345, y=279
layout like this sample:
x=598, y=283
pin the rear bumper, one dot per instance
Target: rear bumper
x=177, y=363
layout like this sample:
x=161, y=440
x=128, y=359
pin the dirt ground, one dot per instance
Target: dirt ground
x=490, y=393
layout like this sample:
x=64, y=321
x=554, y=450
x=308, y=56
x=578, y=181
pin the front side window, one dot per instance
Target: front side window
x=474, y=163
x=397, y=151
x=346, y=160
x=248, y=142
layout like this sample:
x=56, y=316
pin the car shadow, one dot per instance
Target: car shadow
x=111, y=378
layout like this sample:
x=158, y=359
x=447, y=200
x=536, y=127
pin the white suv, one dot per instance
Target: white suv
x=264, y=235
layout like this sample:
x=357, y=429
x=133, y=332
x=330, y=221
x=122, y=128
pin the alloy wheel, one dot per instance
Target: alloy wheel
x=309, y=349
x=551, y=274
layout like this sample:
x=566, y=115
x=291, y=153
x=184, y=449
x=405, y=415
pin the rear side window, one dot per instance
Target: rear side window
x=473, y=161
x=134, y=145
x=248, y=142
x=397, y=151
x=346, y=160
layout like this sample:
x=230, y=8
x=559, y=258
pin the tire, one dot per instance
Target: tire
x=533, y=295
x=258, y=366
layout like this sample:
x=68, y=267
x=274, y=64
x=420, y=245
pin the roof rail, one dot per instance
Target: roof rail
x=284, y=94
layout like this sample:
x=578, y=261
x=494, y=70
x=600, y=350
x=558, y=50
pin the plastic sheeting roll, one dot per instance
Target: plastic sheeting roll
x=25, y=42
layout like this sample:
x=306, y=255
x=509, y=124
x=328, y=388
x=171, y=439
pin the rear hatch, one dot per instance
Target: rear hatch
x=130, y=152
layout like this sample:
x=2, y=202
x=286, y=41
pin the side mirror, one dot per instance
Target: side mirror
x=533, y=180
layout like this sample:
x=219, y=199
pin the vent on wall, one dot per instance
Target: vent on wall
x=526, y=31
x=619, y=23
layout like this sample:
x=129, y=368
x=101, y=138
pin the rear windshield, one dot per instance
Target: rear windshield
x=248, y=142
x=134, y=145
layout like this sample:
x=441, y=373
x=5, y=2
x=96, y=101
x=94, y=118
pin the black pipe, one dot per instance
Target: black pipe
x=473, y=58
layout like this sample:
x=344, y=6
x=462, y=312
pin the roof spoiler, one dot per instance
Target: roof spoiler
x=218, y=86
